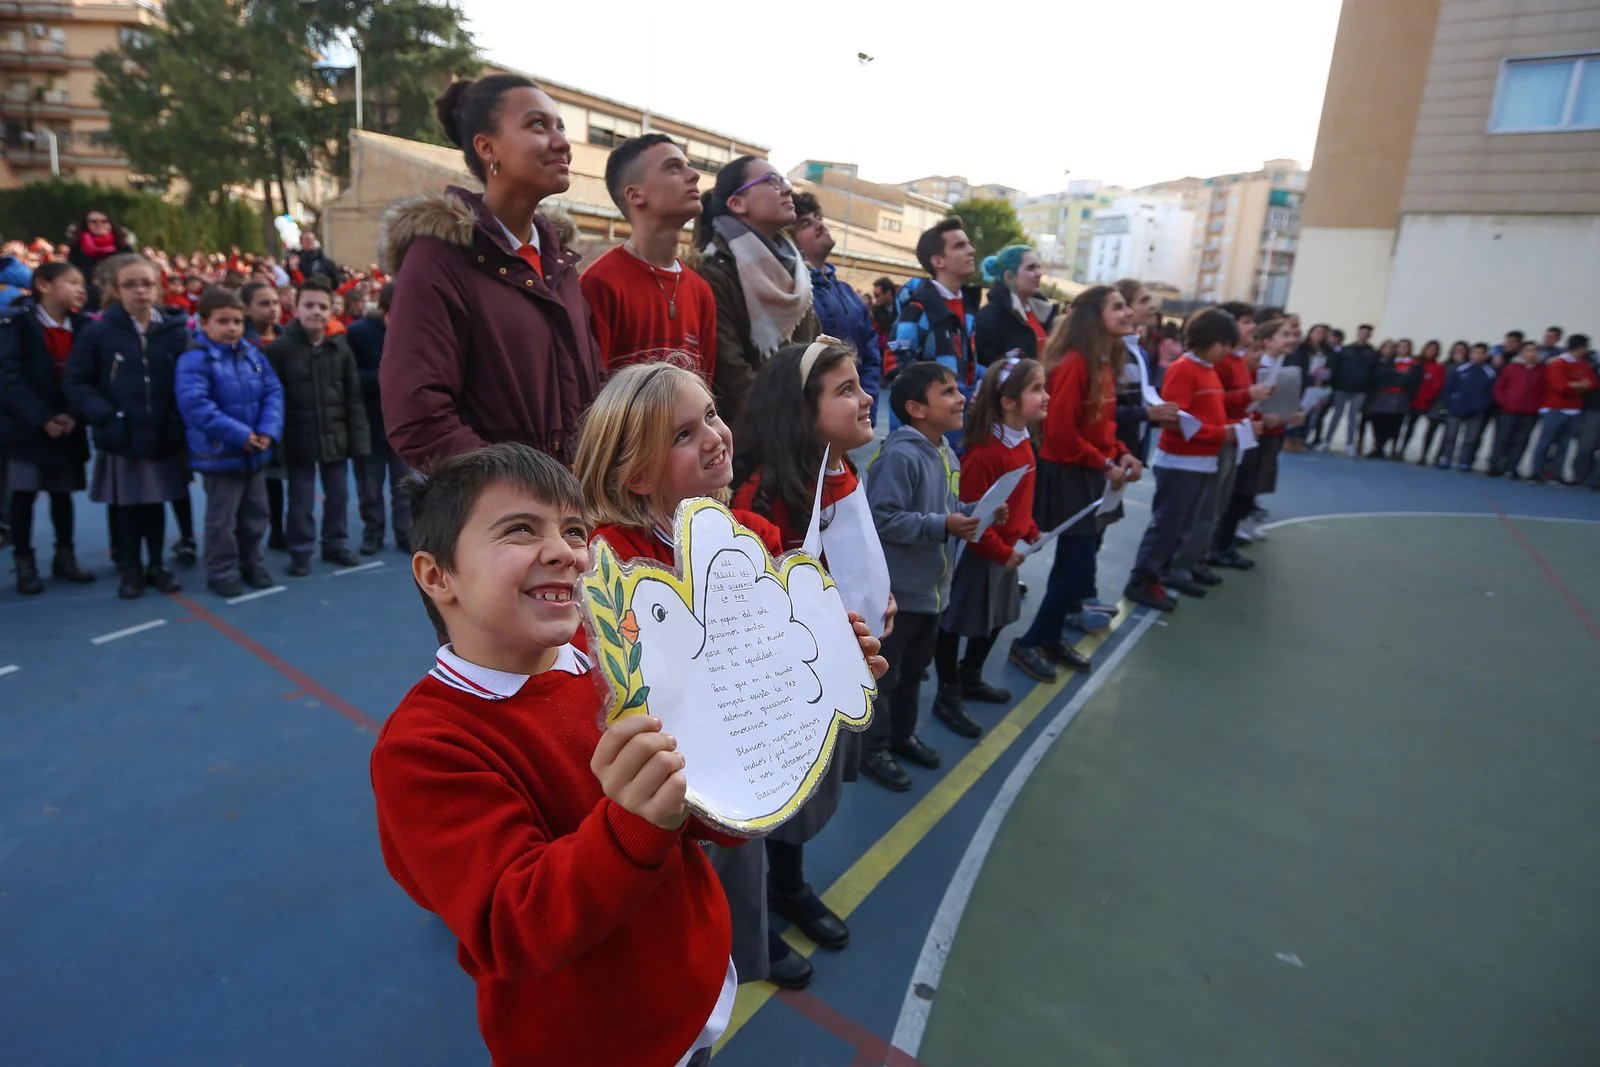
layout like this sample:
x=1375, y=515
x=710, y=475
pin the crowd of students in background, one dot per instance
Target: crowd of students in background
x=549, y=408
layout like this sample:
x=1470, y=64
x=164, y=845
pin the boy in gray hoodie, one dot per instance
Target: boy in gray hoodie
x=912, y=486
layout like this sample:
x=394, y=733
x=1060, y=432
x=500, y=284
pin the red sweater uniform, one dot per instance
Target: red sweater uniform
x=835, y=487
x=1519, y=388
x=1080, y=429
x=643, y=314
x=631, y=542
x=1564, y=379
x=981, y=466
x=1193, y=385
x=490, y=817
x=1434, y=374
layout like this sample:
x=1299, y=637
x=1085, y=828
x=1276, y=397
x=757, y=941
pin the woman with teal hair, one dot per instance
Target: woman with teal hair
x=1015, y=319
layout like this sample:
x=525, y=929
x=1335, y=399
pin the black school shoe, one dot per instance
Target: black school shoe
x=1184, y=586
x=257, y=578
x=914, y=750
x=883, y=769
x=786, y=968
x=183, y=551
x=1205, y=575
x=973, y=687
x=132, y=587
x=1151, y=595
x=371, y=545
x=949, y=709
x=163, y=580
x=226, y=588
x=807, y=911
x=341, y=556
x=1032, y=662
x=299, y=564
x=1068, y=657
x=1232, y=557
x=65, y=566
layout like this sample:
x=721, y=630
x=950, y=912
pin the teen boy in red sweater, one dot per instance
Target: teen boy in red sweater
x=647, y=307
x=561, y=857
x=1185, y=467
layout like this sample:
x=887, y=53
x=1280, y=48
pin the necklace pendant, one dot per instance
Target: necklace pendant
x=672, y=309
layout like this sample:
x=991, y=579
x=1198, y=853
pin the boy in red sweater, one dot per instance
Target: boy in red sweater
x=1185, y=466
x=1568, y=381
x=646, y=306
x=562, y=857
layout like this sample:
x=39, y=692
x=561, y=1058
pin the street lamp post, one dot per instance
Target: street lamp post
x=358, y=87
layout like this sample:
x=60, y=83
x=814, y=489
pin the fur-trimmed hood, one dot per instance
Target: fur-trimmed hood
x=450, y=216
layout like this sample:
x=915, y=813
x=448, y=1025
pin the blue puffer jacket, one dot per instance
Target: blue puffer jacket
x=1469, y=390
x=843, y=315
x=226, y=393
x=928, y=329
x=121, y=382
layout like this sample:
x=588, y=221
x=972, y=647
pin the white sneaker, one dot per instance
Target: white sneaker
x=1349, y=450
x=1251, y=529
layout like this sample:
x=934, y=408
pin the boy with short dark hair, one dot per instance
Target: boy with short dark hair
x=646, y=306
x=325, y=426
x=938, y=314
x=1185, y=466
x=562, y=857
x=1468, y=396
x=913, y=489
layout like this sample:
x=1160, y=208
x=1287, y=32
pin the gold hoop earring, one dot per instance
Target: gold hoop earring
x=494, y=169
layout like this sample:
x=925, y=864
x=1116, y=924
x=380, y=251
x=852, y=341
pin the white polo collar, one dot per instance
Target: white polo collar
x=458, y=673
x=515, y=242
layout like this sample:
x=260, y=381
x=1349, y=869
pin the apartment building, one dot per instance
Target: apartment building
x=47, y=80
x=1061, y=225
x=953, y=188
x=1457, y=185
x=1142, y=237
x=1247, y=232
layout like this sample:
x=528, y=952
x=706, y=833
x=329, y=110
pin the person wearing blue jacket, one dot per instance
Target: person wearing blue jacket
x=938, y=315
x=840, y=309
x=366, y=337
x=15, y=279
x=1468, y=397
x=232, y=407
x=119, y=377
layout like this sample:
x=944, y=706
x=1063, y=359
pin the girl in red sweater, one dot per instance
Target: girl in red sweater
x=1428, y=403
x=806, y=401
x=985, y=594
x=1080, y=459
x=651, y=440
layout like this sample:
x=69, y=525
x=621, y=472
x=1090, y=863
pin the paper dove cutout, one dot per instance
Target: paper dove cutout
x=751, y=663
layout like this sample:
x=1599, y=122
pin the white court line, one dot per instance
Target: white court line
x=942, y=933
x=1298, y=519
x=359, y=567
x=129, y=632
x=257, y=595
x=10, y=668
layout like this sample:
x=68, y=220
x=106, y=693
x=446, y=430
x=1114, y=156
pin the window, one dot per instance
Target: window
x=705, y=157
x=1547, y=93
x=608, y=131
x=889, y=224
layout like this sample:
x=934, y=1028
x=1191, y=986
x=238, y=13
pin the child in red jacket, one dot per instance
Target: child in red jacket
x=1568, y=381
x=562, y=857
x=1518, y=393
x=1185, y=464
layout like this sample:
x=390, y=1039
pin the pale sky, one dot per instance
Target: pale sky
x=1130, y=93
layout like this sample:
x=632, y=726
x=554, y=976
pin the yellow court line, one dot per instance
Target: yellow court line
x=874, y=865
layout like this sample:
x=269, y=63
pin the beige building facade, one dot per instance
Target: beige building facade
x=47, y=80
x=1246, y=235
x=1061, y=225
x=1457, y=182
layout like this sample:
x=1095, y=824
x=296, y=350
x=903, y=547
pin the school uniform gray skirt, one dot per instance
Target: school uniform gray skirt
x=1062, y=490
x=25, y=477
x=984, y=597
x=138, y=479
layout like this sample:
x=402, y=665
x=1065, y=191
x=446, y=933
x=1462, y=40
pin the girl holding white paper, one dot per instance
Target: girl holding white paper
x=807, y=403
x=1081, y=458
x=985, y=593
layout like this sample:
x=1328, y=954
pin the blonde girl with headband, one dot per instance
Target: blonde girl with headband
x=652, y=440
x=986, y=594
x=805, y=403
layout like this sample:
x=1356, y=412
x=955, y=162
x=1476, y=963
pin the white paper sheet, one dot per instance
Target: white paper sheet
x=1314, y=397
x=997, y=495
x=1025, y=549
x=1188, y=425
x=1244, y=435
x=754, y=672
x=1151, y=397
x=854, y=554
x=1285, y=398
x=1111, y=500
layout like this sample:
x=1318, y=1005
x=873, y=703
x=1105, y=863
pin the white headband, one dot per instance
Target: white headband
x=813, y=353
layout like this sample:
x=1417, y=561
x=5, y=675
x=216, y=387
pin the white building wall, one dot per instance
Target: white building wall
x=1151, y=240
x=1341, y=276
x=1477, y=276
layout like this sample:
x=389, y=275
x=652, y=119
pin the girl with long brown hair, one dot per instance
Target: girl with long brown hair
x=1079, y=460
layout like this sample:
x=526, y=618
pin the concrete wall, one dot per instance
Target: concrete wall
x=1477, y=276
x=1341, y=276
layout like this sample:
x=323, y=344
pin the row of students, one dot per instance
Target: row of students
x=161, y=403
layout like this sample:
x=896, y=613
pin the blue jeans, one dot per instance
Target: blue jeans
x=1555, y=434
x=1072, y=577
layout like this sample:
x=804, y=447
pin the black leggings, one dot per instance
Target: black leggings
x=275, y=508
x=183, y=511
x=22, y=518
x=947, y=647
x=1238, y=509
x=1434, y=426
x=1386, y=432
x=135, y=524
x=785, y=867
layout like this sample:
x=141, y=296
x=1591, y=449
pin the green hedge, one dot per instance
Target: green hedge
x=46, y=209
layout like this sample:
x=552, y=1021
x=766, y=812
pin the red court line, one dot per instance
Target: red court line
x=871, y=1050
x=1549, y=572
x=308, y=685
